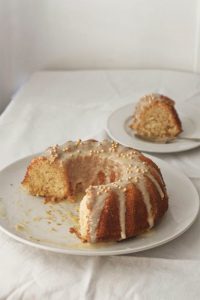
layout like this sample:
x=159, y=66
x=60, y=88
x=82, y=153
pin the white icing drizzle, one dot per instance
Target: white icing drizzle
x=95, y=215
x=142, y=188
x=132, y=169
x=84, y=213
x=157, y=185
x=122, y=213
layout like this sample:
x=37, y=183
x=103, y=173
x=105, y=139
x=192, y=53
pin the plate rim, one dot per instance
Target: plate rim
x=95, y=252
x=159, y=151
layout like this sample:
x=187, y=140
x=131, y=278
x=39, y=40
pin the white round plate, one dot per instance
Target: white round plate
x=119, y=130
x=46, y=226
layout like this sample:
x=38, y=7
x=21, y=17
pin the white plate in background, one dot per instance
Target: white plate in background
x=118, y=129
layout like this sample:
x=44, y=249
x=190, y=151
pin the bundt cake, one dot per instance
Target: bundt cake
x=125, y=194
x=156, y=119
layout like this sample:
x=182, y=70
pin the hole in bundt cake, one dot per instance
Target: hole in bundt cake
x=86, y=171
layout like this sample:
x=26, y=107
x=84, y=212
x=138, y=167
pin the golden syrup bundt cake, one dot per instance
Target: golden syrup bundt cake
x=156, y=119
x=124, y=191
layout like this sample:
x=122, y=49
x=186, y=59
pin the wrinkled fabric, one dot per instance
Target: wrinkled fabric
x=53, y=107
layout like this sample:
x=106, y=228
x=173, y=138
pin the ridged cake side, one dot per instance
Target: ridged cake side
x=126, y=209
x=124, y=191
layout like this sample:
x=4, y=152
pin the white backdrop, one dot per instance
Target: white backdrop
x=95, y=34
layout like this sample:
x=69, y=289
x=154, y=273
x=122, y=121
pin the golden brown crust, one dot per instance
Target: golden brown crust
x=136, y=213
x=109, y=224
x=162, y=204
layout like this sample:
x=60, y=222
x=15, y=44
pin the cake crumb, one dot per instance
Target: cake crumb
x=53, y=229
x=36, y=219
x=19, y=227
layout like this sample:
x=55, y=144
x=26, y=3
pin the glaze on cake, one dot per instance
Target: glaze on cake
x=156, y=119
x=125, y=194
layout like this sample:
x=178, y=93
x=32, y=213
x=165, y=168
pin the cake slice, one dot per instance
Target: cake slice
x=156, y=119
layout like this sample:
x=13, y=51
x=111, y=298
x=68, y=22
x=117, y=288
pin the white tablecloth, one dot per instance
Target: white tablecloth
x=53, y=107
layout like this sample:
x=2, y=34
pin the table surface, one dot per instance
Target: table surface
x=53, y=107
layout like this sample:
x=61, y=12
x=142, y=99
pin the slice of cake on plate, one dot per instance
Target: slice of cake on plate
x=156, y=119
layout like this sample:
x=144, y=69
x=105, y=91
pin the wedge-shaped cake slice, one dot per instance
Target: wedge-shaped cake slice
x=156, y=119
